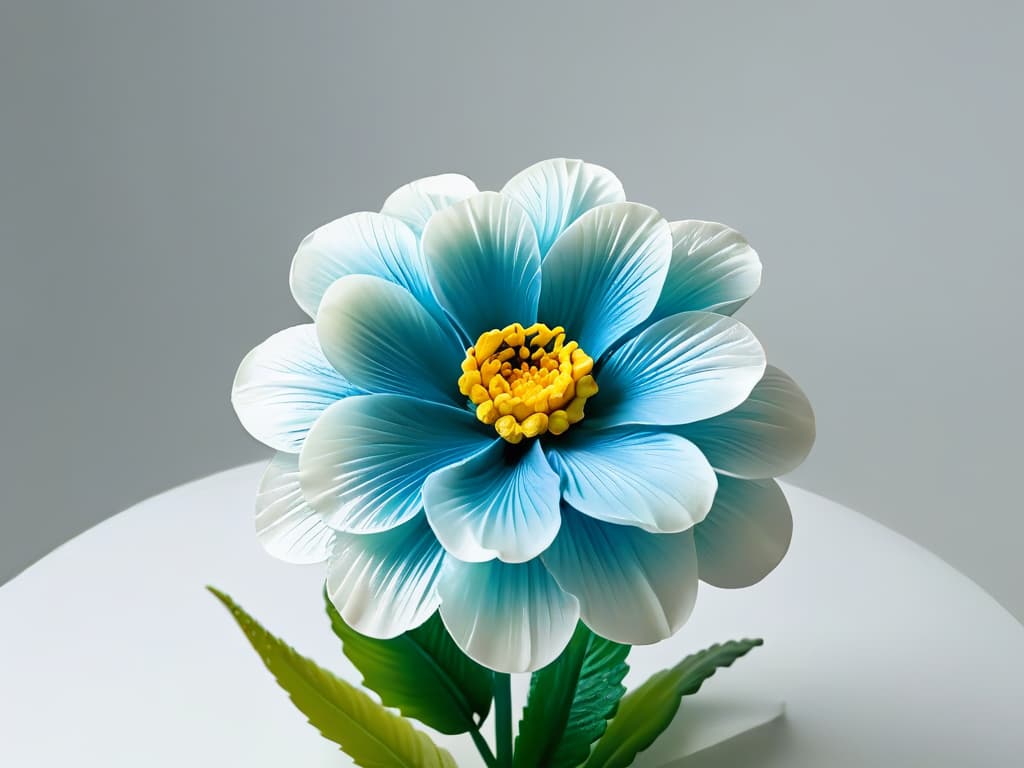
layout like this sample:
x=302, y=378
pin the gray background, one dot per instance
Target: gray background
x=159, y=163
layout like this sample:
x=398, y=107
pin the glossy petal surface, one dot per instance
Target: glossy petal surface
x=483, y=262
x=653, y=480
x=556, y=192
x=713, y=269
x=495, y=504
x=286, y=526
x=509, y=617
x=283, y=386
x=383, y=340
x=634, y=587
x=746, y=534
x=684, y=368
x=603, y=275
x=364, y=462
x=417, y=201
x=384, y=584
x=768, y=434
x=359, y=244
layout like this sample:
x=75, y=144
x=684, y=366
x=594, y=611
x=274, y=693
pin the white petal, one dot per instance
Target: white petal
x=557, y=192
x=360, y=244
x=509, y=617
x=746, y=534
x=768, y=434
x=654, y=480
x=384, y=584
x=684, y=368
x=498, y=503
x=713, y=269
x=603, y=275
x=383, y=340
x=283, y=386
x=417, y=201
x=364, y=462
x=286, y=526
x=483, y=263
x=634, y=587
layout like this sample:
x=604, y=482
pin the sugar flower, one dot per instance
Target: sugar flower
x=523, y=408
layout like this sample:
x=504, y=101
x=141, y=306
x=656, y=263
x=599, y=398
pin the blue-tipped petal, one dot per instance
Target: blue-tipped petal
x=713, y=269
x=364, y=462
x=359, y=244
x=283, y=385
x=768, y=434
x=746, y=534
x=384, y=584
x=417, y=201
x=684, y=368
x=383, y=340
x=499, y=503
x=603, y=275
x=483, y=263
x=511, y=617
x=652, y=480
x=634, y=587
x=556, y=192
x=286, y=526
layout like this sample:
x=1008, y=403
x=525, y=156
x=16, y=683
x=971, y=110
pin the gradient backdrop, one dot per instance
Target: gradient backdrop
x=160, y=161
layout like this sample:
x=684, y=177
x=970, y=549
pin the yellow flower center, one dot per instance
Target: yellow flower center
x=527, y=381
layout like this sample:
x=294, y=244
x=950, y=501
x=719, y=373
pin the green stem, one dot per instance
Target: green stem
x=503, y=718
x=483, y=748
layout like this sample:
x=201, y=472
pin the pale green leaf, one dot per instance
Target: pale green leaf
x=371, y=735
x=647, y=711
x=421, y=673
x=570, y=702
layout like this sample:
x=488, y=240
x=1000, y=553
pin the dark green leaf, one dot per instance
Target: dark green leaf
x=371, y=735
x=421, y=673
x=647, y=711
x=570, y=702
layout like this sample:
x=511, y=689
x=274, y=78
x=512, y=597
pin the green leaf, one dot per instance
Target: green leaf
x=647, y=711
x=422, y=673
x=570, y=702
x=366, y=732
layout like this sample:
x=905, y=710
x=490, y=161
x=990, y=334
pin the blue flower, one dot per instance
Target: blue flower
x=523, y=409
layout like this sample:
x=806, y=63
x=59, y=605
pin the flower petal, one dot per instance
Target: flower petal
x=383, y=340
x=713, y=269
x=483, y=263
x=768, y=434
x=283, y=385
x=417, y=201
x=634, y=587
x=286, y=525
x=359, y=244
x=603, y=275
x=498, y=503
x=745, y=535
x=557, y=192
x=364, y=462
x=512, y=617
x=384, y=584
x=687, y=367
x=653, y=480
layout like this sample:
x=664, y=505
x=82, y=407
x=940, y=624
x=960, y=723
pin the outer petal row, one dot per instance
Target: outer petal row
x=556, y=192
x=283, y=385
x=360, y=244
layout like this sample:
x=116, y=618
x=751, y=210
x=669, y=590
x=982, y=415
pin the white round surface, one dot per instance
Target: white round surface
x=112, y=654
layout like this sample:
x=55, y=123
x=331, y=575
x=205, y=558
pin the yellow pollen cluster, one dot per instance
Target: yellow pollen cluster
x=523, y=387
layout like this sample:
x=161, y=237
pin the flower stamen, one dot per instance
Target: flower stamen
x=527, y=381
